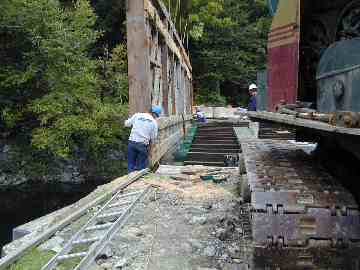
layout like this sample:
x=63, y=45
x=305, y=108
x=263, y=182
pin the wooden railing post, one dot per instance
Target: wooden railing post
x=138, y=58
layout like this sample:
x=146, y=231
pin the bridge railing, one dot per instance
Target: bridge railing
x=171, y=130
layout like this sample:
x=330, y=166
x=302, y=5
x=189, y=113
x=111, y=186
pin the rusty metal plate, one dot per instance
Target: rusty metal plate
x=309, y=258
x=301, y=217
x=281, y=174
x=299, y=229
x=299, y=202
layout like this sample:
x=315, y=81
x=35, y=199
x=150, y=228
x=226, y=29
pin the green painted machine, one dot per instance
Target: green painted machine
x=338, y=77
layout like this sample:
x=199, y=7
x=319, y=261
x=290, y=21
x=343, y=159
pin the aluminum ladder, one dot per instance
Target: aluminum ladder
x=104, y=224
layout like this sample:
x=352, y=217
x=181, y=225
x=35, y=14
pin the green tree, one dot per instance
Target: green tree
x=228, y=45
x=49, y=85
x=180, y=15
x=111, y=21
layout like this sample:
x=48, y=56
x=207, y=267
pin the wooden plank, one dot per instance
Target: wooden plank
x=293, y=121
x=173, y=83
x=169, y=170
x=205, y=163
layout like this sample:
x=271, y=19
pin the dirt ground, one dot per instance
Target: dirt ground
x=181, y=225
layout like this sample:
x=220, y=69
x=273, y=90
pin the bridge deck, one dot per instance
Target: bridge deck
x=194, y=217
x=177, y=226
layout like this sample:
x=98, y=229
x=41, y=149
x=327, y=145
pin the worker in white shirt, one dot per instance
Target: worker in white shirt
x=200, y=116
x=144, y=131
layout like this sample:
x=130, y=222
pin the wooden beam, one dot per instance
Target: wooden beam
x=138, y=58
x=150, y=28
x=165, y=77
x=311, y=124
x=169, y=38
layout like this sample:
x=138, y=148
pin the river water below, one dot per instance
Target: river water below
x=27, y=202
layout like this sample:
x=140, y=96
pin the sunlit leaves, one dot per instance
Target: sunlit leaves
x=228, y=43
x=50, y=79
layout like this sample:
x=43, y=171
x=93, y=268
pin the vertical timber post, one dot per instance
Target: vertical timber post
x=159, y=71
x=138, y=58
x=165, y=79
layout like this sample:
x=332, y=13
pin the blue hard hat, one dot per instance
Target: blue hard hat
x=156, y=110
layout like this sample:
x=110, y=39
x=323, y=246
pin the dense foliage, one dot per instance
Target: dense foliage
x=63, y=77
x=54, y=95
x=228, y=47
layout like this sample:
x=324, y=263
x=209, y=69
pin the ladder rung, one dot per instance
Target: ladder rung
x=86, y=240
x=71, y=256
x=118, y=204
x=129, y=194
x=113, y=214
x=99, y=227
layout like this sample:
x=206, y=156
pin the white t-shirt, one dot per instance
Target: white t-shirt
x=144, y=128
x=200, y=114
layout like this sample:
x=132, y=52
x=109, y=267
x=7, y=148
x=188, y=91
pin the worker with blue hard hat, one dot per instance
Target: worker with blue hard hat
x=144, y=131
x=200, y=115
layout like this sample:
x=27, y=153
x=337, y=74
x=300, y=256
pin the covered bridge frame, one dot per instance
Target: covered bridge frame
x=159, y=71
x=159, y=67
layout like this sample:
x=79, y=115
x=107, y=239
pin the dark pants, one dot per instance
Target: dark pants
x=137, y=156
x=202, y=119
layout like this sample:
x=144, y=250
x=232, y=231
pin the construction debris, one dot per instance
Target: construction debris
x=190, y=217
x=197, y=173
x=346, y=119
x=308, y=114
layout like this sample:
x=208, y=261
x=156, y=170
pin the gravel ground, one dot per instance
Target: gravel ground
x=179, y=225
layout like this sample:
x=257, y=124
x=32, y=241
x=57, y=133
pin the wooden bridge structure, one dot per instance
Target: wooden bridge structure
x=159, y=71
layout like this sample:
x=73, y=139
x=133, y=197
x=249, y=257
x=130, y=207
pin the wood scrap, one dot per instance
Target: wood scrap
x=193, y=169
x=185, y=177
x=308, y=116
x=332, y=120
x=219, y=178
x=323, y=117
x=305, y=110
x=285, y=110
x=306, y=113
x=347, y=119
